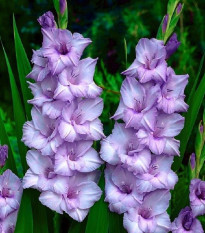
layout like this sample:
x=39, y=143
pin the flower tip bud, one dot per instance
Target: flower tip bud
x=47, y=20
x=164, y=24
x=193, y=161
x=172, y=45
x=63, y=6
x=201, y=127
x=179, y=8
x=3, y=155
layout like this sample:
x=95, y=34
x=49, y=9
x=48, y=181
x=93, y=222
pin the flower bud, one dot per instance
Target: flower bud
x=172, y=45
x=179, y=8
x=47, y=20
x=164, y=24
x=63, y=6
x=3, y=155
x=193, y=161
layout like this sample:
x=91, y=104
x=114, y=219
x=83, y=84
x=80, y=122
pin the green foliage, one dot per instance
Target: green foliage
x=24, y=68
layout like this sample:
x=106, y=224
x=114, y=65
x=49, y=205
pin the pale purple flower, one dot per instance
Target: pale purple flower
x=62, y=48
x=80, y=120
x=43, y=93
x=3, y=155
x=186, y=223
x=73, y=195
x=76, y=156
x=150, y=61
x=138, y=103
x=40, y=174
x=78, y=82
x=10, y=193
x=172, y=93
x=151, y=215
x=41, y=133
x=40, y=69
x=47, y=20
x=63, y=6
x=160, y=140
x=120, y=189
x=197, y=197
x=122, y=147
x=158, y=176
x=7, y=225
x=193, y=161
x=164, y=24
x=172, y=45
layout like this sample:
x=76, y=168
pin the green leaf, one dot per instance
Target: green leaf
x=180, y=196
x=40, y=224
x=116, y=223
x=98, y=217
x=172, y=4
x=10, y=162
x=25, y=217
x=160, y=34
x=190, y=119
x=77, y=227
x=125, y=49
x=19, y=114
x=196, y=80
x=24, y=68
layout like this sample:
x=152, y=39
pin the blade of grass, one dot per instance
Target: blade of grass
x=10, y=162
x=19, y=114
x=77, y=227
x=25, y=216
x=24, y=68
x=196, y=80
x=98, y=220
x=40, y=224
x=116, y=223
x=190, y=119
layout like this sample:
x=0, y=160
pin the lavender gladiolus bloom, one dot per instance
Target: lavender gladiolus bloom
x=150, y=61
x=138, y=103
x=197, y=197
x=62, y=48
x=172, y=93
x=150, y=216
x=160, y=140
x=158, y=176
x=186, y=222
x=172, y=45
x=73, y=195
x=120, y=189
x=122, y=147
x=10, y=193
x=3, y=155
x=7, y=225
x=66, y=107
x=47, y=20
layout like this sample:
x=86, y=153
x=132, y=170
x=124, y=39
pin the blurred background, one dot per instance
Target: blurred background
x=108, y=23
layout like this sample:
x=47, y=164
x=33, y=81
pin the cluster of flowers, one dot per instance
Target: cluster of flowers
x=187, y=221
x=10, y=195
x=140, y=151
x=66, y=107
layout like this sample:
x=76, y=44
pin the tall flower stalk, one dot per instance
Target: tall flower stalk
x=140, y=151
x=66, y=107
